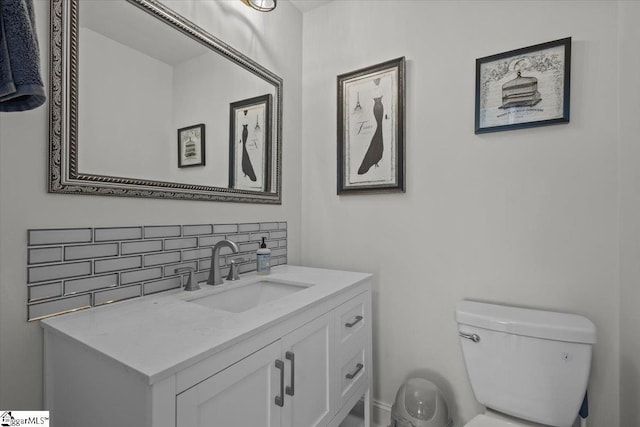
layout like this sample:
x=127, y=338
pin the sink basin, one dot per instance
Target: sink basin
x=245, y=297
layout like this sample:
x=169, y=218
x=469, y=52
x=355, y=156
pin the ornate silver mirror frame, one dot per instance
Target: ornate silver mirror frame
x=64, y=176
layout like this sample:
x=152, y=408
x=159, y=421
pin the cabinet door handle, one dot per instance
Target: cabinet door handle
x=290, y=356
x=352, y=324
x=280, y=399
x=352, y=375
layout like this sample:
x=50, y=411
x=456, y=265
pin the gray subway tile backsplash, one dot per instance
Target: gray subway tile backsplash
x=45, y=255
x=196, y=254
x=45, y=291
x=209, y=240
x=196, y=230
x=243, y=228
x=75, y=268
x=258, y=236
x=77, y=286
x=129, y=248
x=248, y=247
x=278, y=252
x=72, y=253
x=59, y=236
x=266, y=226
x=134, y=276
x=238, y=238
x=162, y=285
x=117, y=264
x=155, y=231
x=161, y=258
x=185, y=243
x=48, y=273
x=205, y=264
x=272, y=244
x=117, y=294
x=202, y=276
x=58, y=306
x=117, y=233
x=225, y=228
x=278, y=234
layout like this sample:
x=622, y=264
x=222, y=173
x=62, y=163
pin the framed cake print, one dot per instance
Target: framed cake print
x=524, y=88
x=191, y=146
x=250, y=144
x=371, y=149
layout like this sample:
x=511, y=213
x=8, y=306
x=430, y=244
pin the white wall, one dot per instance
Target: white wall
x=125, y=120
x=272, y=39
x=526, y=217
x=630, y=213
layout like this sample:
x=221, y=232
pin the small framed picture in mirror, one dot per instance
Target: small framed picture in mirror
x=250, y=144
x=191, y=146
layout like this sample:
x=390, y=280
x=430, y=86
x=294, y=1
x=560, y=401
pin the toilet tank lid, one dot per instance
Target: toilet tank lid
x=523, y=321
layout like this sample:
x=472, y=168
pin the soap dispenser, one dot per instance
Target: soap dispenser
x=263, y=259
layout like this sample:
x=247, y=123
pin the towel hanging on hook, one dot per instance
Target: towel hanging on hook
x=21, y=86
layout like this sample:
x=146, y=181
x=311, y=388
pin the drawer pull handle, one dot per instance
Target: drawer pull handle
x=290, y=390
x=352, y=324
x=352, y=375
x=280, y=399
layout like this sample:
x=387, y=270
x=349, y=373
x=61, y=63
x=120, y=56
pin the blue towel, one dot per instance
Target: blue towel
x=21, y=87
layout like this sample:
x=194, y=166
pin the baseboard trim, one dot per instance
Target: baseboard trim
x=380, y=413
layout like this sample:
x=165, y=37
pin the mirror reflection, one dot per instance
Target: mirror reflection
x=163, y=108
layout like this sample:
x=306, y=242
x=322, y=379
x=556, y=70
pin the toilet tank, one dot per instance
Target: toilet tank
x=529, y=364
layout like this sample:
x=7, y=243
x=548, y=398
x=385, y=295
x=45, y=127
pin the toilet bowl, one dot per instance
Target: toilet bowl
x=527, y=367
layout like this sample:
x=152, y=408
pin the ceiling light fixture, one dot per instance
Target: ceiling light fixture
x=261, y=5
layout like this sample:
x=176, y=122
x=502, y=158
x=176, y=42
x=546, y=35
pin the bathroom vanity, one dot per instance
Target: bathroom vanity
x=290, y=349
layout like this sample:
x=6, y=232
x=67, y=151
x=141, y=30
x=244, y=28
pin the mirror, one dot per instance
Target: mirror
x=144, y=103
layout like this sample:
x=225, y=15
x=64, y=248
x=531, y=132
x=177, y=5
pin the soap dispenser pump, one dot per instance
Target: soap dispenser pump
x=263, y=258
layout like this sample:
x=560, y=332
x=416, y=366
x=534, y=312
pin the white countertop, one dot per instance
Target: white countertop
x=158, y=335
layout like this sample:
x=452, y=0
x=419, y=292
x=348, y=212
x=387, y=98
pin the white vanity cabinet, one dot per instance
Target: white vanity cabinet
x=288, y=383
x=241, y=395
x=303, y=362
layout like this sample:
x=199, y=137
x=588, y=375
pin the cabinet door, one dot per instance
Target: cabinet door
x=240, y=395
x=310, y=395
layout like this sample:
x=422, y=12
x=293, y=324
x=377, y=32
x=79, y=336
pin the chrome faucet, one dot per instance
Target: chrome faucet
x=215, y=278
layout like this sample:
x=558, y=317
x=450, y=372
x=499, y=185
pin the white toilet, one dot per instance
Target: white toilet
x=528, y=367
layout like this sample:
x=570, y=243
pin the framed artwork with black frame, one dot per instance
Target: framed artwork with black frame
x=524, y=88
x=371, y=121
x=191, y=146
x=250, y=144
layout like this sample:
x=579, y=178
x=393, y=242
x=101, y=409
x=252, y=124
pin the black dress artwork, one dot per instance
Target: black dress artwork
x=247, y=167
x=374, y=152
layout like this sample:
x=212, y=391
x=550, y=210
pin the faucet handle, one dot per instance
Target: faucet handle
x=192, y=284
x=233, y=269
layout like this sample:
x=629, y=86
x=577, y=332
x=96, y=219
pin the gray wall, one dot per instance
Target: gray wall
x=271, y=39
x=527, y=217
x=629, y=213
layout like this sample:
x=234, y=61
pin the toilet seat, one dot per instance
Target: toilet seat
x=491, y=419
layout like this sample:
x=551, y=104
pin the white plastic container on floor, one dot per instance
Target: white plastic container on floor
x=419, y=403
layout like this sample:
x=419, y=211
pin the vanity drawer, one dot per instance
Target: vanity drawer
x=352, y=320
x=352, y=373
x=352, y=325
